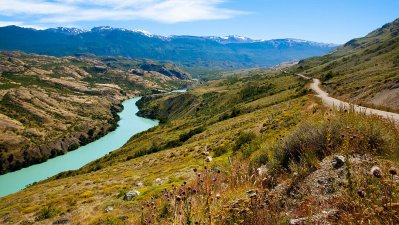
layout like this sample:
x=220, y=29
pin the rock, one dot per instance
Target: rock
x=252, y=193
x=320, y=218
x=62, y=221
x=109, y=209
x=158, y=181
x=130, y=195
x=139, y=184
x=338, y=161
x=298, y=221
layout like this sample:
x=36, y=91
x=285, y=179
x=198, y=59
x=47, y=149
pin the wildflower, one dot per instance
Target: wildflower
x=185, y=182
x=195, y=191
x=218, y=171
x=166, y=195
x=208, y=159
x=393, y=171
x=343, y=135
x=217, y=196
x=361, y=193
x=199, y=174
x=195, y=170
x=376, y=171
x=214, y=179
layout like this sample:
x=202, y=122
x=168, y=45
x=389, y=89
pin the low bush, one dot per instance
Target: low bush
x=243, y=139
x=47, y=212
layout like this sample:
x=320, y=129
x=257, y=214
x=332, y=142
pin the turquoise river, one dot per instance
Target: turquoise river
x=128, y=125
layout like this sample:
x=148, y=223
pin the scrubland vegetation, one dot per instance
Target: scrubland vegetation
x=229, y=154
x=364, y=71
x=253, y=148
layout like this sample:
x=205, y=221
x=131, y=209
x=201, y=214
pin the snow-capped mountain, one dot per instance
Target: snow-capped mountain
x=68, y=30
x=293, y=41
x=230, y=39
x=226, y=52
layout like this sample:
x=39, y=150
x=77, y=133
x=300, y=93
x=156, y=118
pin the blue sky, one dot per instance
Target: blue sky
x=332, y=21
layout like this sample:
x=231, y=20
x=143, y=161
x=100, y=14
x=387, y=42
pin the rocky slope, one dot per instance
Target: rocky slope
x=50, y=105
x=363, y=71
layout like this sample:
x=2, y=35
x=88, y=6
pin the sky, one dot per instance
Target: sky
x=329, y=21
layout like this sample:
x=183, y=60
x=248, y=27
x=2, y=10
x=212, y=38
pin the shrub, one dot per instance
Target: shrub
x=366, y=134
x=243, y=138
x=220, y=150
x=184, y=137
x=47, y=212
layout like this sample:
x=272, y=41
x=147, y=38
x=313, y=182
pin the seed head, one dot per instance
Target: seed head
x=376, y=171
x=393, y=171
x=361, y=193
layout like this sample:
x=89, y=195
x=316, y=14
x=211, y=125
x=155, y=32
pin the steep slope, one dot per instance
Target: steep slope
x=188, y=51
x=50, y=105
x=363, y=71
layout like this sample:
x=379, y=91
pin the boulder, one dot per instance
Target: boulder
x=130, y=195
x=338, y=161
x=109, y=209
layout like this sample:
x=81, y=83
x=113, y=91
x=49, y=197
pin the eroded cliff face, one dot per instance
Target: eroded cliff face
x=49, y=105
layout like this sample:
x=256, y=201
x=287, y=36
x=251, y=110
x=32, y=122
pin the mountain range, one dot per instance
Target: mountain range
x=229, y=52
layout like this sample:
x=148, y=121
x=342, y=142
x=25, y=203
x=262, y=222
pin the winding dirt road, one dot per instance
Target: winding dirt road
x=333, y=102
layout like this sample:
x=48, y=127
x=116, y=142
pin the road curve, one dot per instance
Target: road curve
x=335, y=103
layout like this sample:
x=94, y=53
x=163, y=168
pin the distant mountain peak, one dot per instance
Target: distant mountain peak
x=232, y=39
x=144, y=32
x=68, y=30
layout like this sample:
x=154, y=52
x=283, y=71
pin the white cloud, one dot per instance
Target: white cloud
x=32, y=7
x=166, y=11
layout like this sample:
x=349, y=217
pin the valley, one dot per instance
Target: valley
x=128, y=125
x=50, y=105
x=231, y=142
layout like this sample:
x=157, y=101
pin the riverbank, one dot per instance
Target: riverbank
x=128, y=125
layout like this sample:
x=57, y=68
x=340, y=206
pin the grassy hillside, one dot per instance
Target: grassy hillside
x=50, y=105
x=363, y=71
x=256, y=149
